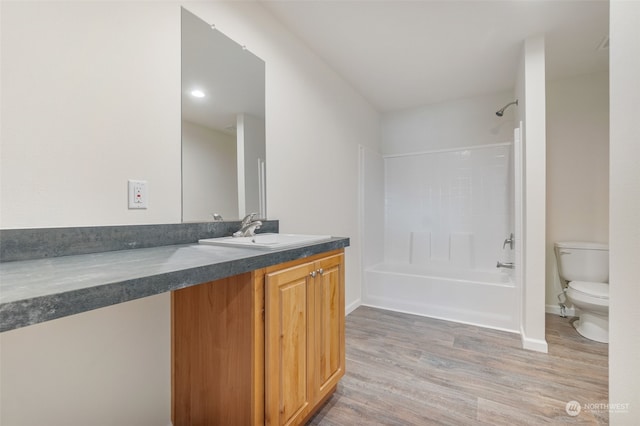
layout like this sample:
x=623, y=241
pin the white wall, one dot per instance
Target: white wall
x=530, y=91
x=209, y=174
x=90, y=99
x=624, y=211
x=577, y=167
x=93, y=90
x=451, y=124
x=109, y=366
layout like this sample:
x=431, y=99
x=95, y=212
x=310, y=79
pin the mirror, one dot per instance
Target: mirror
x=223, y=125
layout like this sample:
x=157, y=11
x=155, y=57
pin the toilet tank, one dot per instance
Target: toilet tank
x=583, y=261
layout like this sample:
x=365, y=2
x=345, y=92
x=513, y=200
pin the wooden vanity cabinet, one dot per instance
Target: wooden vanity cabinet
x=304, y=338
x=264, y=347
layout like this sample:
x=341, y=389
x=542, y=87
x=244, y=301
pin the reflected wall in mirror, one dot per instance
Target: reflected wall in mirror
x=223, y=125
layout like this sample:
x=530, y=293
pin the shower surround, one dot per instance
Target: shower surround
x=447, y=214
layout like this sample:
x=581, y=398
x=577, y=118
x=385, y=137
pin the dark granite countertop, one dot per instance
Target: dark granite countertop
x=34, y=291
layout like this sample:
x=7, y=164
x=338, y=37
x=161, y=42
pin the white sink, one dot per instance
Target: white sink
x=266, y=241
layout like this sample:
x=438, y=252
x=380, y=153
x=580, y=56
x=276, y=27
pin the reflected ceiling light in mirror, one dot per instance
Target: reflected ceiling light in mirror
x=196, y=93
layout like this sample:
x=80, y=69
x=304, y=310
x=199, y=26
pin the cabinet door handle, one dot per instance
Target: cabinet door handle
x=321, y=271
x=313, y=274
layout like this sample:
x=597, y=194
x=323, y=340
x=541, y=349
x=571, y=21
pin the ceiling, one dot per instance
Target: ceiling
x=402, y=54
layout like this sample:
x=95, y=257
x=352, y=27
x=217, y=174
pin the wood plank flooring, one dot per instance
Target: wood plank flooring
x=409, y=370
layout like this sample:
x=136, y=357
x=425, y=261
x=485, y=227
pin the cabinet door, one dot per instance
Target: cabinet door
x=329, y=324
x=289, y=318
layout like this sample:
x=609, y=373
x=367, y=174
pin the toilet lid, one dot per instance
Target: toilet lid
x=600, y=290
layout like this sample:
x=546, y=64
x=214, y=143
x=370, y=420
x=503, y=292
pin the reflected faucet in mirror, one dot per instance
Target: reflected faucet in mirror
x=248, y=226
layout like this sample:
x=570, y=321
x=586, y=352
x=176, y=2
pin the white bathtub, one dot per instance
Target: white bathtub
x=483, y=298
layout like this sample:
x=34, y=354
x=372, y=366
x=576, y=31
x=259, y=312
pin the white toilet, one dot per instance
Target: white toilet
x=584, y=270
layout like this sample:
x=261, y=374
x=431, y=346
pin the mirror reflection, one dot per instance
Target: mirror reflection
x=223, y=125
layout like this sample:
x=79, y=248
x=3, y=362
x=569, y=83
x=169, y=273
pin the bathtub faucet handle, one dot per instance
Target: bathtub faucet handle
x=509, y=241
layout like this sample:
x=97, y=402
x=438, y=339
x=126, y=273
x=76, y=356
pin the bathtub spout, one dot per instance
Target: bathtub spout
x=508, y=265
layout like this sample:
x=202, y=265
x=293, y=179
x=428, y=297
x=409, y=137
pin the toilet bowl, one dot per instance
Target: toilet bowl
x=584, y=269
x=592, y=301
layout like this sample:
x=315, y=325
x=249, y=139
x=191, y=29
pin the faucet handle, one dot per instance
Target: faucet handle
x=509, y=241
x=248, y=219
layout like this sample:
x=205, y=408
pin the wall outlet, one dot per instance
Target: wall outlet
x=138, y=198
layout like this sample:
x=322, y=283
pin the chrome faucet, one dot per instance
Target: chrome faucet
x=248, y=226
x=508, y=265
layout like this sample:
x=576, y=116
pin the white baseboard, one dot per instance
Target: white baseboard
x=555, y=309
x=352, y=307
x=538, y=345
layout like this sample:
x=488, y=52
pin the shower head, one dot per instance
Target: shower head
x=500, y=112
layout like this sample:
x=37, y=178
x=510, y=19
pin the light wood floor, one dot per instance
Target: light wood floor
x=409, y=370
